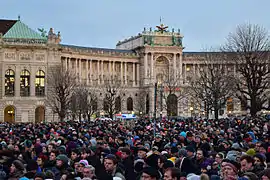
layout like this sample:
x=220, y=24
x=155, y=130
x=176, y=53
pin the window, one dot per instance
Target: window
x=25, y=83
x=10, y=83
x=40, y=83
x=129, y=104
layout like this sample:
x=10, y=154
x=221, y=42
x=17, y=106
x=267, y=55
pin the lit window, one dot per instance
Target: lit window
x=9, y=83
x=40, y=83
x=25, y=83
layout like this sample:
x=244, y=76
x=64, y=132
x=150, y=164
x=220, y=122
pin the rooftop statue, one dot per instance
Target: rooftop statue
x=162, y=28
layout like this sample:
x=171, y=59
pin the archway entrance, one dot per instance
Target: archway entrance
x=172, y=106
x=9, y=114
x=40, y=114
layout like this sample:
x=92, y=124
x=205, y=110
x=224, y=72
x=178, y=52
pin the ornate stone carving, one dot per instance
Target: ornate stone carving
x=9, y=103
x=40, y=57
x=168, y=56
x=10, y=56
x=40, y=103
x=25, y=56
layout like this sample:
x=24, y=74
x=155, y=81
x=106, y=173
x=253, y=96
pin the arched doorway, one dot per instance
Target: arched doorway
x=172, y=105
x=130, y=104
x=9, y=114
x=118, y=104
x=40, y=114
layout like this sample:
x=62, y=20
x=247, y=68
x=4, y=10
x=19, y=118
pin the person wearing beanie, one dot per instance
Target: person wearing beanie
x=230, y=169
x=259, y=163
x=17, y=170
x=31, y=168
x=251, y=152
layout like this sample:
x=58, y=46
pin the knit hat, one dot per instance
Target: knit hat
x=260, y=156
x=193, y=177
x=84, y=162
x=182, y=152
x=190, y=149
x=251, y=152
x=63, y=158
x=184, y=134
x=19, y=165
x=27, y=143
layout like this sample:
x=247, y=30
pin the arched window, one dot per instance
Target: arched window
x=25, y=83
x=10, y=83
x=129, y=104
x=118, y=104
x=105, y=105
x=172, y=106
x=40, y=83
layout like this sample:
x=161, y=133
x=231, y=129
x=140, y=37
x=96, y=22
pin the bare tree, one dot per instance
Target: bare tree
x=84, y=102
x=113, y=98
x=212, y=85
x=172, y=93
x=61, y=85
x=249, y=47
x=140, y=101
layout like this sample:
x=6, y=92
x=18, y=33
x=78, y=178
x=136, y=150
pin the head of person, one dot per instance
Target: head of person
x=230, y=169
x=149, y=173
x=125, y=153
x=82, y=165
x=266, y=174
x=16, y=166
x=74, y=154
x=89, y=172
x=110, y=162
x=172, y=173
x=199, y=154
x=246, y=163
x=142, y=152
x=53, y=155
x=61, y=160
x=219, y=157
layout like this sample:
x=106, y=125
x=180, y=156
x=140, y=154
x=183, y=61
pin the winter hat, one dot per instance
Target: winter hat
x=19, y=165
x=63, y=158
x=236, y=146
x=251, y=152
x=184, y=134
x=190, y=149
x=23, y=178
x=182, y=152
x=84, y=162
x=138, y=165
x=260, y=156
x=27, y=143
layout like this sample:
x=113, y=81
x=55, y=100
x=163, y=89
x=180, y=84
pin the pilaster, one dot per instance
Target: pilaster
x=32, y=81
x=134, y=74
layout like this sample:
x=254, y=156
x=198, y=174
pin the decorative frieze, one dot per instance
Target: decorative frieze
x=40, y=57
x=25, y=56
x=10, y=56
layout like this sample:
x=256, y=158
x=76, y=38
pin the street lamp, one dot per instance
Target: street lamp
x=191, y=110
x=160, y=116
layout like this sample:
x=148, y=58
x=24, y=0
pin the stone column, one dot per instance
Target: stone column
x=125, y=72
x=113, y=69
x=80, y=70
x=90, y=71
x=66, y=63
x=145, y=68
x=17, y=81
x=102, y=72
x=185, y=73
x=152, y=66
x=32, y=81
x=134, y=74
x=174, y=66
x=98, y=74
x=69, y=63
x=121, y=69
x=138, y=74
x=225, y=69
x=110, y=70
x=87, y=72
x=234, y=69
x=194, y=69
x=181, y=66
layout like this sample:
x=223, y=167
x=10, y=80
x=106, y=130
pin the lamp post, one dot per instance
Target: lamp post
x=191, y=110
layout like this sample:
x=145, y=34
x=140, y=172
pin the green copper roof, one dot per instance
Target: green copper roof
x=21, y=31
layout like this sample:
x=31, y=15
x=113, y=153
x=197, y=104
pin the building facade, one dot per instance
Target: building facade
x=139, y=62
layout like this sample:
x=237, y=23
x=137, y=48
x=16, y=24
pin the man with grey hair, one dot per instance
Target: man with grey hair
x=89, y=172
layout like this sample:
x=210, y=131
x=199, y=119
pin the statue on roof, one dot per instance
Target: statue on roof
x=162, y=28
x=43, y=32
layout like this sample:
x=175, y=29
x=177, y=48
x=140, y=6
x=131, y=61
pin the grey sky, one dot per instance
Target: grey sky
x=102, y=23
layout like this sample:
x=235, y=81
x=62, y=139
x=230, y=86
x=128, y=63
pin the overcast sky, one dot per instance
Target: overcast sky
x=102, y=23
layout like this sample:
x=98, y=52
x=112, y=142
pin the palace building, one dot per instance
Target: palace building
x=26, y=56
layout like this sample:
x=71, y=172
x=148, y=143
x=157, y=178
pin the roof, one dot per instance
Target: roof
x=5, y=25
x=20, y=30
x=98, y=49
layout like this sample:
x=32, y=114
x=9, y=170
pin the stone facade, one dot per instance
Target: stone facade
x=138, y=61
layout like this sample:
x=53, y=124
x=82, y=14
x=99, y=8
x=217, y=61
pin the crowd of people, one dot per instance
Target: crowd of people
x=189, y=149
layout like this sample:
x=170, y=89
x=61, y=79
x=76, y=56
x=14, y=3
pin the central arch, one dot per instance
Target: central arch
x=9, y=114
x=172, y=105
x=40, y=114
x=162, y=67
